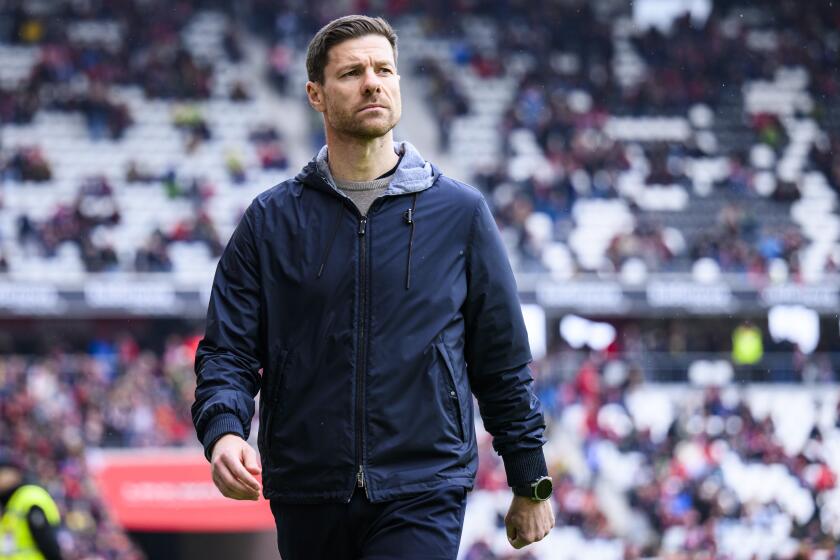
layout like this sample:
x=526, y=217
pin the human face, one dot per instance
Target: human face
x=360, y=96
x=9, y=477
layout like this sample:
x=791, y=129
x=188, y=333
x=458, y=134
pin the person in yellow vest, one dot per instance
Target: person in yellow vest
x=747, y=344
x=28, y=516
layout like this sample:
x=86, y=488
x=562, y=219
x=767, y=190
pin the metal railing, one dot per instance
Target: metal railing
x=666, y=367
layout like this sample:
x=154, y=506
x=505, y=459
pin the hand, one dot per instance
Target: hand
x=528, y=521
x=234, y=463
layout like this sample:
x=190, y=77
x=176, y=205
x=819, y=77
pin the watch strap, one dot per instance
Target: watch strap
x=530, y=490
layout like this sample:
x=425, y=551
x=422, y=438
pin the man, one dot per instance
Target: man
x=375, y=293
x=28, y=516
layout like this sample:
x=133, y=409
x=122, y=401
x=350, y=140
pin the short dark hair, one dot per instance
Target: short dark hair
x=338, y=31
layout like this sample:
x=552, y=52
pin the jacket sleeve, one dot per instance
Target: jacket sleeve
x=498, y=353
x=228, y=358
x=43, y=534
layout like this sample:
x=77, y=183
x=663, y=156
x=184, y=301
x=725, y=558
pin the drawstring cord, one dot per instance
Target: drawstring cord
x=408, y=216
x=329, y=247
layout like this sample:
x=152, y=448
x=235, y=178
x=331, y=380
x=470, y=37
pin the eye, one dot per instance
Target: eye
x=350, y=73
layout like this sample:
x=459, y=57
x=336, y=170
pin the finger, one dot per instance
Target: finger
x=519, y=542
x=511, y=532
x=239, y=472
x=224, y=483
x=249, y=459
x=237, y=489
x=239, y=492
x=527, y=537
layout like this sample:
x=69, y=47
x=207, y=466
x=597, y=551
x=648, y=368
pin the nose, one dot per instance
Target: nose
x=371, y=83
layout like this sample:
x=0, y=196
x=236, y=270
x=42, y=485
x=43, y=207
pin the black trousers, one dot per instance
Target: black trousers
x=426, y=526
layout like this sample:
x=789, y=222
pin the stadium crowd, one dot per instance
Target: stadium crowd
x=78, y=63
x=571, y=86
x=576, y=85
x=676, y=488
x=54, y=407
x=662, y=485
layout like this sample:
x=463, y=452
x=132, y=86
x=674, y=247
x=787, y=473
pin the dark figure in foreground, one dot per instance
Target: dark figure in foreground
x=28, y=516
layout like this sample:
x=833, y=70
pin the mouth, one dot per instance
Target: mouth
x=370, y=107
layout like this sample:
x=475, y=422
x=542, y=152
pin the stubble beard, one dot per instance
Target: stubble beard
x=360, y=126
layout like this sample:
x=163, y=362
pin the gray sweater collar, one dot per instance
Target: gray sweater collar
x=413, y=174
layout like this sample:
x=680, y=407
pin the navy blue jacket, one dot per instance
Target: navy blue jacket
x=371, y=332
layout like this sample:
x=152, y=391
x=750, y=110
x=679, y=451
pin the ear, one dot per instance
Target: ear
x=315, y=94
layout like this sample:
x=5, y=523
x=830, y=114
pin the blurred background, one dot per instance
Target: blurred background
x=664, y=174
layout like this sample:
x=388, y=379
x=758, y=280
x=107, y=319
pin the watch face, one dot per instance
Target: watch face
x=542, y=490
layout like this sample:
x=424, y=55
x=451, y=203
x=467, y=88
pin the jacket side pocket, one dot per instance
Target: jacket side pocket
x=453, y=388
x=272, y=401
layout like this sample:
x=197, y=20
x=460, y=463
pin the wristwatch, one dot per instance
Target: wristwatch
x=539, y=490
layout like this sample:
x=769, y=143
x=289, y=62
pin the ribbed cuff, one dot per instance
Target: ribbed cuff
x=524, y=467
x=225, y=423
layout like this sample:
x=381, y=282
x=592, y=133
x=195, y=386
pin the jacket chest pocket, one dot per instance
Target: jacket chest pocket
x=453, y=400
x=272, y=400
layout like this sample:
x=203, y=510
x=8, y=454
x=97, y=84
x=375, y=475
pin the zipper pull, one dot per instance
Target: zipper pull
x=362, y=224
x=360, y=477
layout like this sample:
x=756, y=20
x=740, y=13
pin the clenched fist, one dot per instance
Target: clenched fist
x=528, y=521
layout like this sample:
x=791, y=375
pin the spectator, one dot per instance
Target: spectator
x=188, y=118
x=27, y=164
x=153, y=256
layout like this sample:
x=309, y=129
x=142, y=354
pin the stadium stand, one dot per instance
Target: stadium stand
x=619, y=159
x=628, y=147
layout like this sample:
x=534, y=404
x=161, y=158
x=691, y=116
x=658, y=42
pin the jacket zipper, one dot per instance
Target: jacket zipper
x=272, y=401
x=360, y=377
x=453, y=389
x=360, y=374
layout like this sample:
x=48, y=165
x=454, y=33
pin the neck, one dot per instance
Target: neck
x=355, y=159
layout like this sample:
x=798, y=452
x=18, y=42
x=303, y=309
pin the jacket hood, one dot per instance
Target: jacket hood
x=414, y=174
